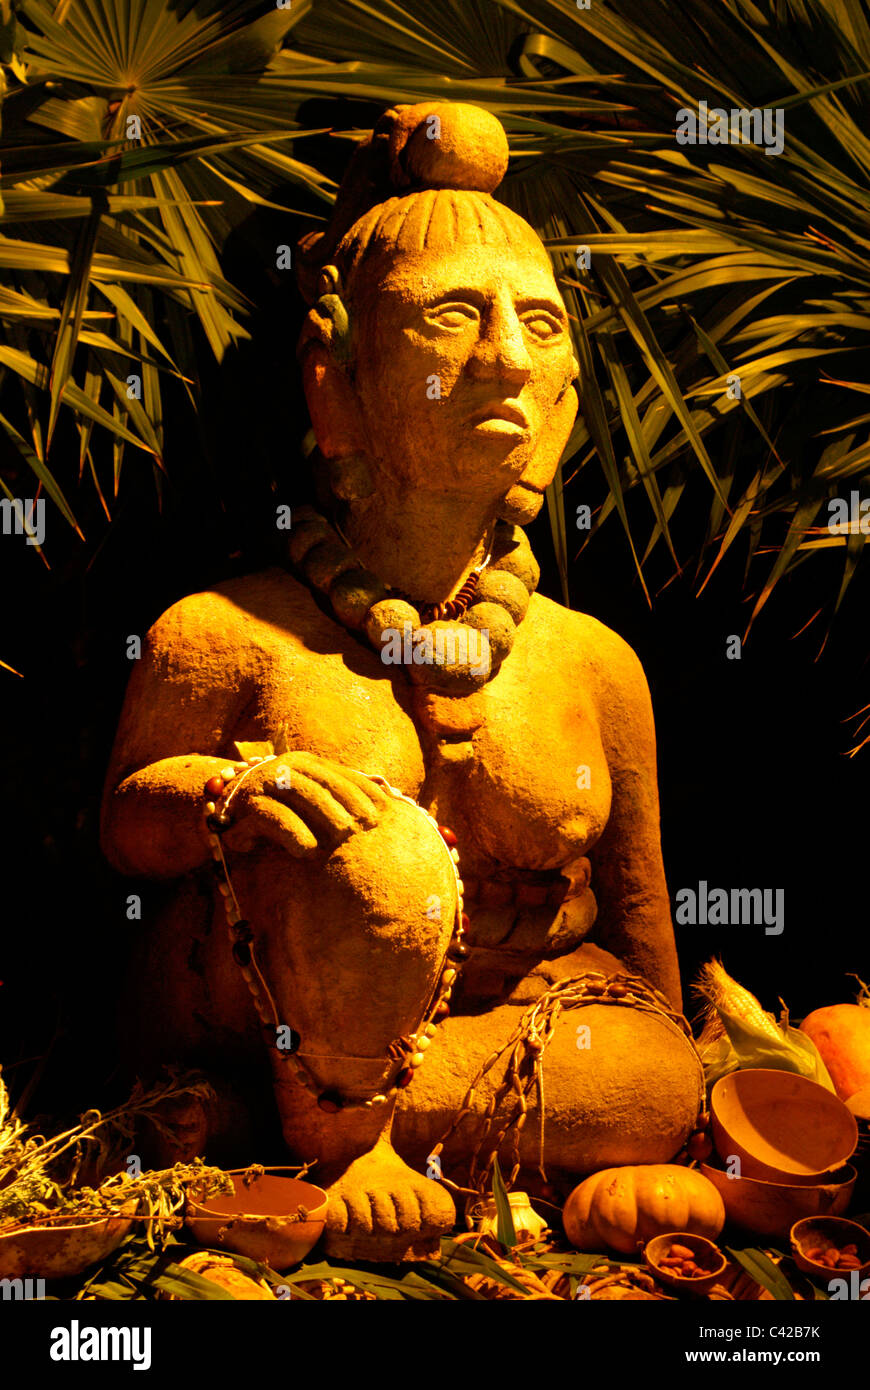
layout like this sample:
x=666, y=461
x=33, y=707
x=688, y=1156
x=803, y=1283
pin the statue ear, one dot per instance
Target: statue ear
x=324, y=352
x=328, y=321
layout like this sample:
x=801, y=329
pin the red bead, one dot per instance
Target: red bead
x=405, y=1078
x=241, y=953
x=330, y=1101
x=700, y=1146
x=214, y=786
x=448, y=836
x=456, y=951
x=442, y=1011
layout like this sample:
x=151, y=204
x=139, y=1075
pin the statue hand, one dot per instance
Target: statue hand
x=304, y=803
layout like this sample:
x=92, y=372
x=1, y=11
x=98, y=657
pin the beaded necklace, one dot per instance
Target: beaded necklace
x=492, y=602
x=407, y=1052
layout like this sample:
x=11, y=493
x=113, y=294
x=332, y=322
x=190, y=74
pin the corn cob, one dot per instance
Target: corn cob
x=724, y=993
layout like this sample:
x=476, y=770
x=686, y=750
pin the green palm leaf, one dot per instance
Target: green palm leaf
x=703, y=258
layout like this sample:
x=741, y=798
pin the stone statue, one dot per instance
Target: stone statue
x=278, y=731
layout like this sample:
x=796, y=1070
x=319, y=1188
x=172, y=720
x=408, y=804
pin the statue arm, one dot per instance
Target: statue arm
x=183, y=700
x=200, y=672
x=634, y=912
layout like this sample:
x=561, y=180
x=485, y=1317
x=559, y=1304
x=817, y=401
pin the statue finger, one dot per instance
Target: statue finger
x=272, y=821
x=354, y=798
x=337, y=774
x=317, y=806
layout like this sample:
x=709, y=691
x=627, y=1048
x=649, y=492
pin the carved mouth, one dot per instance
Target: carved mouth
x=501, y=417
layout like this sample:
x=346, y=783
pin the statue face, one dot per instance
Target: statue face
x=461, y=363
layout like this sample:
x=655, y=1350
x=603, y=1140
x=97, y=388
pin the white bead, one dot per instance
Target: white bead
x=423, y=1043
x=228, y=773
x=210, y=808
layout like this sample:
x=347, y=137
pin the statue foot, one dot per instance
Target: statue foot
x=384, y=1211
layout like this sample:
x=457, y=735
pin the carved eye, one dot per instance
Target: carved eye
x=456, y=315
x=541, y=324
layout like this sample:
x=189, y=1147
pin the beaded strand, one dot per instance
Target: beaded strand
x=408, y=1051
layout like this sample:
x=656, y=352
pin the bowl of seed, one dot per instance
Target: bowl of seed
x=830, y=1247
x=686, y=1263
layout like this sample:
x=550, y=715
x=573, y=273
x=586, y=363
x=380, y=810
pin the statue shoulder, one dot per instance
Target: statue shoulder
x=223, y=620
x=613, y=668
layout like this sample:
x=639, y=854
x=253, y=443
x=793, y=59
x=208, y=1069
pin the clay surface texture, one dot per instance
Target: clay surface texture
x=438, y=369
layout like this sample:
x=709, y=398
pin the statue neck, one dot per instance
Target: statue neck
x=423, y=543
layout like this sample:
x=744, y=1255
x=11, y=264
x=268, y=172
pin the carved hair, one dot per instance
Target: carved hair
x=424, y=179
x=432, y=218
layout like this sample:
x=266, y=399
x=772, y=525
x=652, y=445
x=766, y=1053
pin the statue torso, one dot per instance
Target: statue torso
x=534, y=794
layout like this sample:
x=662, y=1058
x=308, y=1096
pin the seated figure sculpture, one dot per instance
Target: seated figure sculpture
x=291, y=743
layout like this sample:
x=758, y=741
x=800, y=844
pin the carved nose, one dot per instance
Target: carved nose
x=501, y=353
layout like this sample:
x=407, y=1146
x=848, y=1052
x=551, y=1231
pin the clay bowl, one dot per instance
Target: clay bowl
x=772, y=1208
x=859, y=1106
x=62, y=1249
x=707, y=1255
x=823, y=1231
x=260, y=1219
x=781, y=1126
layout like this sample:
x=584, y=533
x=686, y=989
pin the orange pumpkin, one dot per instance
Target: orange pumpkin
x=622, y=1208
x=841, y=1032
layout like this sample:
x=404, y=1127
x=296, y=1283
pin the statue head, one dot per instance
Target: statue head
x=436, y=354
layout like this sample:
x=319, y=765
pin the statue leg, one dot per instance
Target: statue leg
x=620, y=1087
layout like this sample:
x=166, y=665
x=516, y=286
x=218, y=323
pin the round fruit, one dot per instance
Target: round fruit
x=622, y=1208
x=841, y=1032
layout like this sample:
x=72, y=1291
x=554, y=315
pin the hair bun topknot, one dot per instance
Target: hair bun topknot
x=444, y=144
x=430, y=145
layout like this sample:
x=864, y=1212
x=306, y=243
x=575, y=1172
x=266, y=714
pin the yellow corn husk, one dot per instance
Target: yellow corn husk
x=739, y=1033
x=730, y=998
